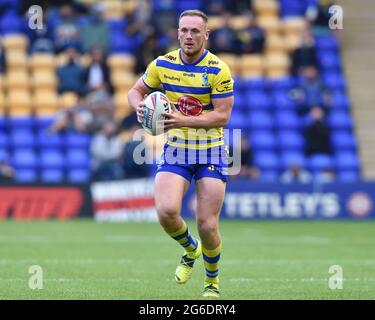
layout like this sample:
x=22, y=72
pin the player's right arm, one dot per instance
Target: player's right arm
x=136, y=96
x=148, y=82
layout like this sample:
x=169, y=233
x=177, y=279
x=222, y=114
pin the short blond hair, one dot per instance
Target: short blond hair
x=194, y=13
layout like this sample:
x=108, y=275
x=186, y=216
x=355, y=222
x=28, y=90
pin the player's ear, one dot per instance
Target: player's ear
x=208, y=31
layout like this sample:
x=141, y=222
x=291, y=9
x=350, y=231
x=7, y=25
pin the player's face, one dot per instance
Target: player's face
x=192, y=34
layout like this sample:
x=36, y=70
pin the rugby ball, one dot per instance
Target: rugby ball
x=156, y=103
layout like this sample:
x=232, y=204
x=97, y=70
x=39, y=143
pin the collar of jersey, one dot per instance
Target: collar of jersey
x=195, y=63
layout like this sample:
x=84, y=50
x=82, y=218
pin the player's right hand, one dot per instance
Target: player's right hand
x=140, y=111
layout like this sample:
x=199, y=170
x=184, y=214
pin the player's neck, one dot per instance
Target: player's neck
x=192, y=59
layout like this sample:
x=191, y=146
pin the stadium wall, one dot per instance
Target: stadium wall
x=42, y=202
x=132, y=200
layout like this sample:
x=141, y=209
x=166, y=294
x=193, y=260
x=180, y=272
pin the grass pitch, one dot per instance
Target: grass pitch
x=82, y=259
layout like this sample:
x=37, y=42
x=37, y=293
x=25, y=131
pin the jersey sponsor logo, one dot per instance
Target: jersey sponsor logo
x=189, y=106
x=192, y=75
x=213, y=62
x=224, y=86
x=173, y=78
x=205, y=79
x=170, y=57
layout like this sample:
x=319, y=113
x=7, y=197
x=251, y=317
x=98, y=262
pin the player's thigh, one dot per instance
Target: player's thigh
x=210, y=198
x=169, y=191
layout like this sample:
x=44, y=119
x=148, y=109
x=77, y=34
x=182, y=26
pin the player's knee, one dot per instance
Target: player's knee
x=207, y=226
x=166, y=211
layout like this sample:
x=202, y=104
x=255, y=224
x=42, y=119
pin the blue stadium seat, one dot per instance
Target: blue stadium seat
x=26, y=175
x=340, y=120
x=260, y=120
x=77, y=158
x=116, y=25
x=290, y=140
x=77, y=140
x=346, y=160
x=4, y=155
x=52, y=159
x=4, y=139
x=287, y=119
x=236, y=121
x=183, y=5
x=319, y=162
x=43, y=122
x=326, y=43
x=282, y=100
x=282, y=84
x=340, y=100
x=240, y=101
x=329, y=60
x=11, y=23
x=266, y=160
x=52, y=175
x=343, y=140
x=289, y=158
x=269, y=175
x=348, y=176
x=258, y=84
x=24, y=158
x=46, y=140
x=334, y=80
x=78, y=175
x=22, y=138
x=262, y=140
x=3, y=122
x=293, y=8
x=258, y=100
x=21, y=122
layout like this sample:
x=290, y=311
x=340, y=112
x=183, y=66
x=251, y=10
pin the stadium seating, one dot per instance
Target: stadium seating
x=263, y=108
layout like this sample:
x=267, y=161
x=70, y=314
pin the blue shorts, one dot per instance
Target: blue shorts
x=189, y=163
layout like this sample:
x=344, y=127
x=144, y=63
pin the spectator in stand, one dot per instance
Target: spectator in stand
x=7, y=172
x=240, y=7
x=147, y=52
x=305, y=55
x=327, y=175
x=106, y=152
x=169, y=41
x=41, y=39
x=223, y=40
x=318, y=133
x=66, y=33
x=102, y=108
x=98, y=73
x=318, y=15
x=295, y=174
x=76, y=118
x=215, y=7
x=131, y=169
x=96, y=33
x=311, y=91
x=251, y=39
x=71, y=76
x=164, y=15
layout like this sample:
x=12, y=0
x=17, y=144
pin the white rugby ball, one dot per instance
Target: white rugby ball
x=156, y=103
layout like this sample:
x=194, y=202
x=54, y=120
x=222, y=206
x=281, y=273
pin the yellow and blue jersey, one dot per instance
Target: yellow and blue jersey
x=208, y=78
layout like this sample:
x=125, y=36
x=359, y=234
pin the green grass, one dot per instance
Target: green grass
x=83, y=259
